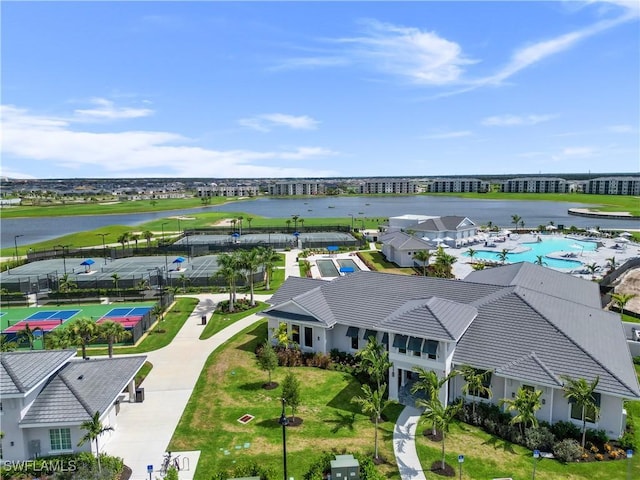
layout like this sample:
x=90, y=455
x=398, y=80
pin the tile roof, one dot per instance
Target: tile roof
x=531, y=367
x=22, y=371
x=82, y=388
x=404, y=241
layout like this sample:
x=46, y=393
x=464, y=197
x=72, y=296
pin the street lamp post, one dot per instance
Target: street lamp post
x=64, y=256
x=629, y=457
x=104, y=246
x=284, y=421
x=536, y=455
x=165, y=223
x=351, y=215
x=15, y=243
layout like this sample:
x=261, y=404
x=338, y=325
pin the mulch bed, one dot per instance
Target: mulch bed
x=295, y=421
x=430, y=436
x=126, y=473
x=270, y=385
x=449, y=471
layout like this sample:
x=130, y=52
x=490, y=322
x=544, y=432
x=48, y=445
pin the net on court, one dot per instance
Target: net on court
x=41, y=325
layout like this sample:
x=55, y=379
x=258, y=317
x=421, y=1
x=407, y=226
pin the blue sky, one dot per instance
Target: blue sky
x=317, y=89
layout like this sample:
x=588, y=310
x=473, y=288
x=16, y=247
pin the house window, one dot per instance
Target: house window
x=430, y=347
x=400, y=342
x=352, y=332
x=528, y=388
x=60, y=439
x=354, y=343
x=590, y=413
x=308, y=337
x=295, y=334
x=415, y=345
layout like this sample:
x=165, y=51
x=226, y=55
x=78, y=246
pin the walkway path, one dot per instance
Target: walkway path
x=404, y=445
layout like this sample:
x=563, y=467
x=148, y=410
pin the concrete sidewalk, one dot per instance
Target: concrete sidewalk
x=404, y=445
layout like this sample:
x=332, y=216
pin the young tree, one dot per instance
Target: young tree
x=6, y=345
x=471, y=252
x=526, y=403
x=282, y=337
x=444, y=263
x=113, y=332
x=94, y=428
x=374, y=361
x=268, y=361
x=503, y=255
x=291, y=392
x=621, y=299
x=423, y=256
x=184, y=280
x=440, y=416
x=28, y=335
x=475, y=383
x=157, y=311
x=429, y=383
x=540, y=260
x=582, y=393
x=372, y=403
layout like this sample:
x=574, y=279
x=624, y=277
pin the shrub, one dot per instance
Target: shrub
x=539, y=438
x=564, y=430
x=599, y=457
x=597, y=437
x=567, y=450
x=628, y=441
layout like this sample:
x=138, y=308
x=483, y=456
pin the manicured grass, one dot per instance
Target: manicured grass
x=219, y=321
x=143, y=372
x=381, y=264
x=230, y=386
x=162, y=333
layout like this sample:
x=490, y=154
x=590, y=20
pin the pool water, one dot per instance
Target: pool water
x=327, y=268
x=543, y=248
x=348, y=263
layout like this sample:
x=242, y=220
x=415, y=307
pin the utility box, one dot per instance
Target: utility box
x=139, y=395
x=345, y=467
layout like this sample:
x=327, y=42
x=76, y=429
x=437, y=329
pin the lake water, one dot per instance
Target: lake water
x=480, y=211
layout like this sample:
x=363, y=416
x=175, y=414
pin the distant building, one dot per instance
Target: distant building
x=389, y=185
x=535, y=185
x=613, y=186
x=458, y=185
x=297, y=188
x=215, y=190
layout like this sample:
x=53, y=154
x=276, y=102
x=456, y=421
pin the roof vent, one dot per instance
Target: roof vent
x=80, y=377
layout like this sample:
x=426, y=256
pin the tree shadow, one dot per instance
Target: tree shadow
x=257, y=337
x=342, y=420
x=500, y=443
x=252, y=386
x=342, y=400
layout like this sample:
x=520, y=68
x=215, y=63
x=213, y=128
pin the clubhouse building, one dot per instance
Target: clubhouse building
x=526, y=324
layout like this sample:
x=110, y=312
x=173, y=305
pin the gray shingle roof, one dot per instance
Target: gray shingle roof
x=404, y=241
x=434, y=318
x=531, y=367
x=82, y=388
x=21, y=371
x=441, y=224
x=544, y=280
x=293, y=286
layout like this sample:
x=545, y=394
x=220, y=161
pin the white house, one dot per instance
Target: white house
x=400, y=247
x=46, y=395
x=526, y=324
x=451, y=230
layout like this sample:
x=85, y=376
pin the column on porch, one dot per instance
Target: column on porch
x=132, y=391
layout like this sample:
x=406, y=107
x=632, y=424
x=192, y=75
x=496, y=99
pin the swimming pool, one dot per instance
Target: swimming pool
x=543, y=248
x=327, y=268
x=348, y=263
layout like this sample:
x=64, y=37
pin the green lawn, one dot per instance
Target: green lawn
x=230, y=386
x=220, y=321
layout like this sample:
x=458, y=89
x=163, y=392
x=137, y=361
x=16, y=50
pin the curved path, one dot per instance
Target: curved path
x=404, y=445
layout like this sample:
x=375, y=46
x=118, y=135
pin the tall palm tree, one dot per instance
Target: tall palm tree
x=113, y=332
x=135, y=237
x=372, y=403
x=157, y=311
x=471, y=253
x=59, y=338
x=240, y=218
x=423, y=256
x=82, y=331
x=249, y=262
x=301, y=222
x=444, y=263
x=440, y=416
x=526, y=402
x=184, y=280
x=522, y=224
x=295, y=221
x=268, y=258
x=28, y=335
x=116, y=278
x=582, y=393
x=94, y=428
x=249, y=220
x=475, y=383
x=147, y=235
x=515, y=219
x=621, y=299
x=123, y=239
x=429, y=383
x=374, y=360
x=503, y=255
x=288, y=223
x=229, y=270
x=65, y=284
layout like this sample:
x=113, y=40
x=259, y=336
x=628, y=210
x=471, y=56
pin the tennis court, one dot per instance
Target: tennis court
x=53, y=315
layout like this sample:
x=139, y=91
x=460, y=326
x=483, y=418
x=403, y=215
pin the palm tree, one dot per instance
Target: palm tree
x=526, y=402
x=374, y=360
x=440, y=416
x=268, y=258
x=142, y=284
x=471, y=253
x=301, y=222
x=184, y=280
x=250, y=261
x=6, y=345
x=372, y=403
x=65, y=284
x=288, y=223
x=515, y=219
x=582, y=394
x=522, y=224
x=475, y=383
x=612, y=264
x=249, y=220
x=444, y=263
x=295, y=221
x=94, y=428
x=82, y=331
x=147, y=235
x=540, y=260
x=423, y=256
x=116, y=279
x=60, y=338
x=592, y=267
x=229, y=270
x=240, y=218
x=503, y=255
x=135, y=237
x=28, y=334
x=113, y=332
x=123, y=239
x=429, y=383
x=621, y=299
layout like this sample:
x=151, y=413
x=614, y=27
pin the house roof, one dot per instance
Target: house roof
x=444, y=224
x=82, y=388
x=22, y=371
x=500, y=320
x=404, y=241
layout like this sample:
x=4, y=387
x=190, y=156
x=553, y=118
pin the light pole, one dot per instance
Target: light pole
x=536, y=455
x=15, y=243
x=351, y=215
x=629, y=457
x=165, y=223
x=64, y=257
x=104, y=246
x=284, y=421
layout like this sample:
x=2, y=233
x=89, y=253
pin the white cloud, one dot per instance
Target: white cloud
x=106, y=110
x=53, y=143
x=622, y=129
x=422, y=57
x=267, y=121
x=572, y=153
x=311, y=63
x=515, y=120
x=446, y=135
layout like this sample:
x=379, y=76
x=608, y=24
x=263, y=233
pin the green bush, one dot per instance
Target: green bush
x=628, y=441
x=568, y=450
x=539, y=438
x=564, y=430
